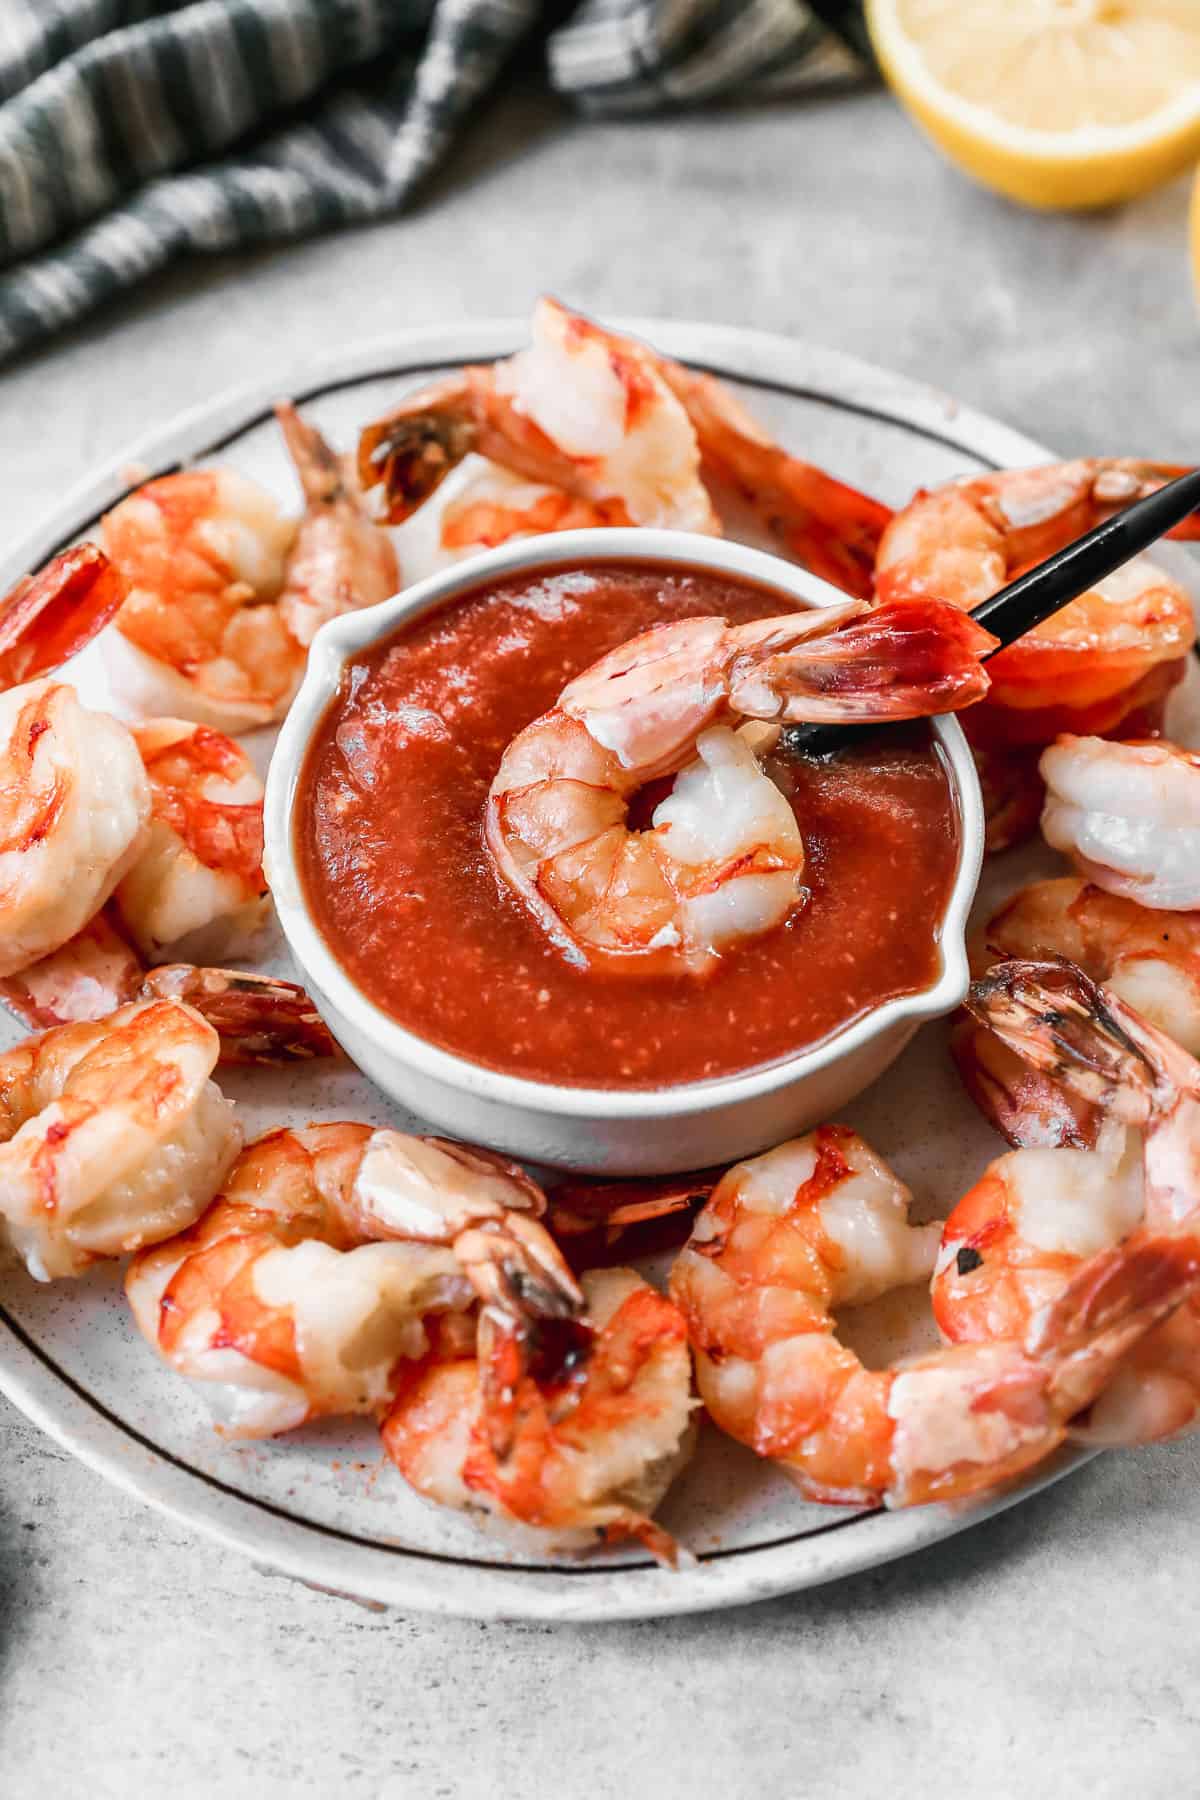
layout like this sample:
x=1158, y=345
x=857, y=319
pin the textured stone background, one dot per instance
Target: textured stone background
x=1054, y=1650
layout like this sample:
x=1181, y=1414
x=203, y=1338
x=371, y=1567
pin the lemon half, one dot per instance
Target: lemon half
x=1053, y=102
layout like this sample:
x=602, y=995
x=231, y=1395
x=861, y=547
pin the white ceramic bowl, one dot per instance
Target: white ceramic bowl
x=612, y=1131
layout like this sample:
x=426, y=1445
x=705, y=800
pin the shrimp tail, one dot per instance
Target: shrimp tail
x=410, y=451
x=321, y=470
x=594, y=1220
x=901, y=661
x=1060, y=1022
x=1108, y=1307
x=518, y=1271
x=54, y=614
x=260, y=1019
x=665, y=1549
x=1024, y=1105
x=829, y=526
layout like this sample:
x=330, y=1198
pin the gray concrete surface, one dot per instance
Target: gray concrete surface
x=1051, y=1651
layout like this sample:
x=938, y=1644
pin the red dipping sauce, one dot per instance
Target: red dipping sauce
x=388, y=828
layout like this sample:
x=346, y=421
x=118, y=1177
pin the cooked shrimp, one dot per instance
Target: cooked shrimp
x=201, y=636
x=258, y=1018
x=1149, y=959
x=53, y=614
x=225, y=593
x=493, y=505
x=318, y=1268
x=963, y=541
x=482, y=505
x=591, y=1218
x=1088, y=1041
x=111, y=1135
x=1013, y=1244
x=341, y=560
x=166, y=818
x=580, y=410
x=75, y=808
x=830, y=527
x=1085, y=668
x=628, y=433
x=197, y=888
x=579, y=1448
x=1129, y=817
x=724, y=858
x=821, y=1222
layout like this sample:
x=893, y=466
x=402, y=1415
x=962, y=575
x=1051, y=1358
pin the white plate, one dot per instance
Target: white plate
x=322, y=1504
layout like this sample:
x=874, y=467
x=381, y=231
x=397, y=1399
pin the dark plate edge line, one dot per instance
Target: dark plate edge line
x=349, y=1537
x=877, y=414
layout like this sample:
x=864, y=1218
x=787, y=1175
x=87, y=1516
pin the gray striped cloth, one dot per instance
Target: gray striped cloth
x=134, y=131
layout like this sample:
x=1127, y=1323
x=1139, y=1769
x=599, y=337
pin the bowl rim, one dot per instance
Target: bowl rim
x=342, y=638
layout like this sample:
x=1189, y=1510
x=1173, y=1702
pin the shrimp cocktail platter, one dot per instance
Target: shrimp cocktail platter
x=496, y=1118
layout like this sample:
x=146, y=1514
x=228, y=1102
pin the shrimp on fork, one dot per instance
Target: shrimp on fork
x=624, y=432
x=111, y=1135
x=724, y=858
x=325, y=1263
x=822, y=1222
x=1129, y=1104
x=1097, y=658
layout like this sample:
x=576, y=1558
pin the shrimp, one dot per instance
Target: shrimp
x=75, y=810
x=625, y=432
x=1149, y=959
x=821, y=1222
x=259, y=1019
x=341, y=560
x=111, y=1136
x=201, y=635
x=52, y=615
x=830, y=527
x=964, y=541
x=225, y=592
x=580, y=410
x=724, y=858
x=1128, y=815
x=1013, y=1244
x=166, y=818
x=1093, y=662
x=482, y=505
x=317, y=1270
x=590, y=1218
x=197, y=888
x=561, y=1452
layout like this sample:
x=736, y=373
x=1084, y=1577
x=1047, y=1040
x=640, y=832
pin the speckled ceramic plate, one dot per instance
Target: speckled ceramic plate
x=321, y=1504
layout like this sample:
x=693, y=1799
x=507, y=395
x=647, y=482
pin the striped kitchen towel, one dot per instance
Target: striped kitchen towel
x=133, y=131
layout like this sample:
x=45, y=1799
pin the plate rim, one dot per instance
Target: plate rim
x=397, y=1575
